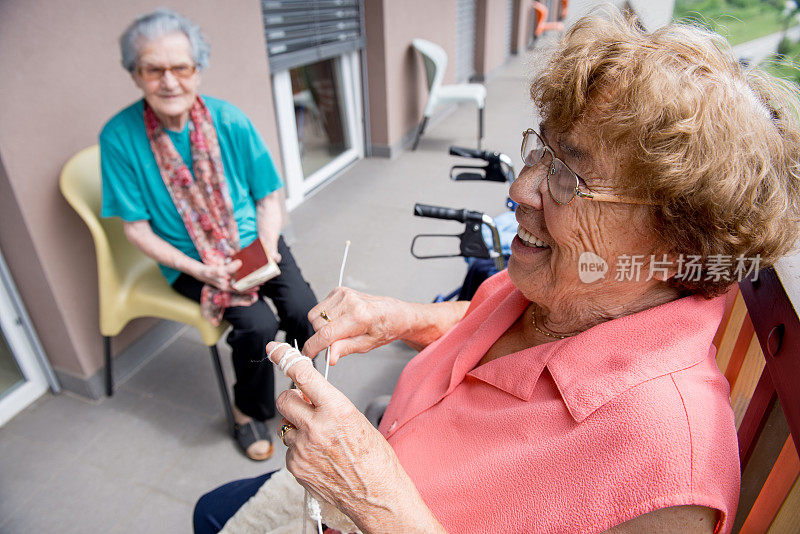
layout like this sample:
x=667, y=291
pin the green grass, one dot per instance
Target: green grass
x=787, y=66
x=736, y=23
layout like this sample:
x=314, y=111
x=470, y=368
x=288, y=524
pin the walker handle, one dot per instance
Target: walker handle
x=468, y=152
x=448, y=214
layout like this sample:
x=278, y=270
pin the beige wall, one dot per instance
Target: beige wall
x=376, y=72
x=396, y=72
x=490, y=36
x=522, y=26
x=61, y=81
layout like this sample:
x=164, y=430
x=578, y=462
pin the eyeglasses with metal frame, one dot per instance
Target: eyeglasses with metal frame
x=562, y=182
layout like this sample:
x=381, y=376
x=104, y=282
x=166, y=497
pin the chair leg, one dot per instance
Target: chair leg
x=223, y=388
x=420, y=131
x=109, y=373
x=480, y=127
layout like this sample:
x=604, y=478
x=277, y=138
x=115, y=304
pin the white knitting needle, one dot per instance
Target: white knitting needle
x=317, y=506
x=344, y=261
x=314, y=503
x=341, y=277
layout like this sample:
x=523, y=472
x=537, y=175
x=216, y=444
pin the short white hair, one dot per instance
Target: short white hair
x=157, y=24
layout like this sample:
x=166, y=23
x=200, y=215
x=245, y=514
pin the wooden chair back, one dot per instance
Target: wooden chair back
x=758, y=350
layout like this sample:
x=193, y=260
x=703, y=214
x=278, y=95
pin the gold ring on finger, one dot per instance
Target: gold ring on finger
x=284, y=429
x=324, y=316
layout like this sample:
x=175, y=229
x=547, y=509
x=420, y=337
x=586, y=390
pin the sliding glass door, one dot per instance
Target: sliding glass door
x=23, y=370
x=319, y=113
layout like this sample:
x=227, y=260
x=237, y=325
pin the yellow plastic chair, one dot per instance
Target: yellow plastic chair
x=130, y=284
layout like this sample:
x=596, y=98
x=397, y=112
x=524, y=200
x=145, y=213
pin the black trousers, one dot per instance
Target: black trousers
x=254, y=326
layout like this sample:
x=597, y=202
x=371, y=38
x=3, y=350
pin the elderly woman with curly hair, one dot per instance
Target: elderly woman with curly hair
x=194, y=183
x=558, y=402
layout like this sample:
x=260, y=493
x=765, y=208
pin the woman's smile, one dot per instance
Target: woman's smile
x=525, y=244
x=529, y=239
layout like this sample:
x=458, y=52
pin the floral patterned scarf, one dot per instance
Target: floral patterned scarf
x=204, y=202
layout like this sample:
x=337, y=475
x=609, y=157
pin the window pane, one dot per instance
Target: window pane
x=319, y=112
x=10, y=375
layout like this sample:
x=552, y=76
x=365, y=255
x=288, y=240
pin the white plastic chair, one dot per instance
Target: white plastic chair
x=435, y=64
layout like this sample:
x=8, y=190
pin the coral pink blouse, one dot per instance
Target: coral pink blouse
x=573, y=436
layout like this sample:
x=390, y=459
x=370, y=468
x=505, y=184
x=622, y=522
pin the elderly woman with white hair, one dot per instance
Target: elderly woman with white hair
x=194, y=183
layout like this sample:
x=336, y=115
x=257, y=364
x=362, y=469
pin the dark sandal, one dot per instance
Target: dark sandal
x=248, y=433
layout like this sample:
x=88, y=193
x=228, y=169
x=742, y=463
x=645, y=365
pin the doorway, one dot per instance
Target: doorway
x=24, y=372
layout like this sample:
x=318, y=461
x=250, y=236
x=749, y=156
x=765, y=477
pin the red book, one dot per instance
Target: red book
x=256, y=267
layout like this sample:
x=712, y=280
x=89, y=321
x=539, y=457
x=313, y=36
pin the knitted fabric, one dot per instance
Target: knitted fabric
x=279, y=507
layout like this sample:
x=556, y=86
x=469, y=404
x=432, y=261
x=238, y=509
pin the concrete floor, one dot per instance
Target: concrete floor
x=138, y=461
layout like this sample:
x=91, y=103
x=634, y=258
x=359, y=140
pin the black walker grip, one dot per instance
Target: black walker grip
x=448, y=214
x=438, y=212
x=467, y=152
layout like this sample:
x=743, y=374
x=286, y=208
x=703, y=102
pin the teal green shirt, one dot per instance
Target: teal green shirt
x=134, y=190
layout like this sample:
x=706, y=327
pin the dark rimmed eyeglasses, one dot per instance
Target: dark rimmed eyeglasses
x=562, y=182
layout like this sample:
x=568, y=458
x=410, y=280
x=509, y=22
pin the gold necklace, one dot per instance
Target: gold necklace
x=548, y=334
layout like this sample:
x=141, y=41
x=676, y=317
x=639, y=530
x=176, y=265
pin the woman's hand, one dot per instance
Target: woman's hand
x=142, y=236
x=335, y=453
x=218, y=276
x=358, y=322
x=271, y=246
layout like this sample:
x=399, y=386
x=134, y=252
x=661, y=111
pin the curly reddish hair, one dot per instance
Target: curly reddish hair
x=714, y=145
